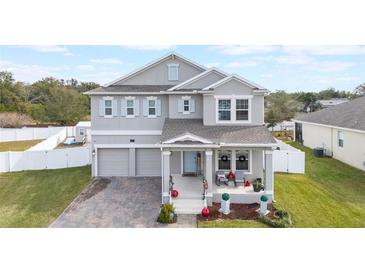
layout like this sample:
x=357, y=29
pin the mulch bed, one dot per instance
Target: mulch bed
x=238, y=211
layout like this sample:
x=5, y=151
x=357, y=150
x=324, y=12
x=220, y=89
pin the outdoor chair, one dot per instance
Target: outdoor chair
x=240, y=177
x=220, y=177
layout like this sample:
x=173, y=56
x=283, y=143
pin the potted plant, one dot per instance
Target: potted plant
x=263, y=204
x=258, y=185
x=167, y=214
x=225, y=203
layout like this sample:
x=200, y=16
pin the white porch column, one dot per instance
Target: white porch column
x=269, y=173
x=166, y=176
x=209, y=175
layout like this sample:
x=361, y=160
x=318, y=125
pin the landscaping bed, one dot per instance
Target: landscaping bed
x=238, y=212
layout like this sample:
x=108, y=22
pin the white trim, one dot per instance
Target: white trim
x=161, y=92
x=188, y=137
x=154, y=63
x=235, y=77
x=111, y=99
x=248, y=145
x=130, y=98
x=166, y=153
x=125, y=132
x=233, y=99
x=209, y=152
x=130, y=145
x=181, y=162
x=233, y=153
x=329, y=126
x=173, y=66
x=181, y=146
x=197, y=77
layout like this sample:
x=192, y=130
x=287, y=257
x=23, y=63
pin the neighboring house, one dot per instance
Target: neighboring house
x=340, y=130
x=284, y=125
x=176, y=117
x=332, y=102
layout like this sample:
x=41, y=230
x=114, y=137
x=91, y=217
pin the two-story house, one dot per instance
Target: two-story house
x=176, y=117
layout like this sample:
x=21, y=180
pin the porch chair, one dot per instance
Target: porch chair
x=220, y=177
x=240, y=177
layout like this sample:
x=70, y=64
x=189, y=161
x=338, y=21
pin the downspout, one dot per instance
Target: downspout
x=162, y=175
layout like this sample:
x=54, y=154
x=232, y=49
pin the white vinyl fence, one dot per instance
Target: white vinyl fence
x=30, y=133
x=289, y=159
x=50, y=159
x=53, y=141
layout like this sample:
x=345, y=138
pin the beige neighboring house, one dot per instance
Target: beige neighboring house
x=340, y=130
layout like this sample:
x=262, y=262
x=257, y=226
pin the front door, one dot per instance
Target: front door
x=190, y=162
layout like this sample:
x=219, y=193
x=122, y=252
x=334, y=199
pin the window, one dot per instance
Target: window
x=242, y=160
x=151, y=107
x=82, y=131
x=224, y=159
x=224, y=110
x=340, y=138
x=108, y=109
x=186, y=105
x=130, y=108
x=173, y=72
x=242, y=109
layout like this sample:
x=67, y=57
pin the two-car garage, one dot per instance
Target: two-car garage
x=128, y=162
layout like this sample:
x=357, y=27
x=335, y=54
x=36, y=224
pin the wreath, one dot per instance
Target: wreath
x=242, y=158
x=224, y=158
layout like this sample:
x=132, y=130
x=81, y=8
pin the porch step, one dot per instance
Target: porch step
x=188, y=206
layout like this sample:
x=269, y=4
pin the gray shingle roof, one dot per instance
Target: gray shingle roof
x=217, y=134
x=133, y=88
x=347, y=115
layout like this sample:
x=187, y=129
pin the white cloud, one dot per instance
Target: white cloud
x=295, y=59
x=150, y=47
x=50, y=49
x=237, y=64
x=330, y=66
x=241, y=50
x=325, y=50
x=106, y=61
x=212, y=64
x=86, y=67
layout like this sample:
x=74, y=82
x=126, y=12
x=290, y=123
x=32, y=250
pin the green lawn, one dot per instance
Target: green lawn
x=18, y=145
x=231, y=224
x=36, y=198
x=330, y=194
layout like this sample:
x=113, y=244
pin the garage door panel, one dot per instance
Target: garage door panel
x=148, y=162
x=113, y=162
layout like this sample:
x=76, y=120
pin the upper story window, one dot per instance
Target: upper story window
x=130, y=108
x=173, y=72
x=151, y=107
x=340, y=138
x=108, y=107
x=186, y=105
x=233, y=109
x=242, y=109
x=224, y=110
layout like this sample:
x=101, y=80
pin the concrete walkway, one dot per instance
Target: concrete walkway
x=119, y=202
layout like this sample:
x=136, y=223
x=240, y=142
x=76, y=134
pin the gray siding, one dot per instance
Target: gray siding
x=209, y=79
x=175, y=162
x=148, y=162
x=233, y=87
x=122, y=123
x=173, y=107
x=118, y=139
x=113, y=162
x=157, y=75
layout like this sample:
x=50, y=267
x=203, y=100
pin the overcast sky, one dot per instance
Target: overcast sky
x=290, y=68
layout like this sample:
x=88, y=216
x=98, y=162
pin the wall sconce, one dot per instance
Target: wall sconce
x=93, y=153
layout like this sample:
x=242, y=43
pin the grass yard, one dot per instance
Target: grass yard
x=18, y=145
x=330, y=194
x=231, y=224
x=36, y=198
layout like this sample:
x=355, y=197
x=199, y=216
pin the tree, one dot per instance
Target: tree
x=280, y=106
x=360, y=90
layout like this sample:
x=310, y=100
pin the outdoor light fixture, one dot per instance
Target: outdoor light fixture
x=93, y=153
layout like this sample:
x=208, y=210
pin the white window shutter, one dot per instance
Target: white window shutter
x=136, y=107
x=123, y=108
x=145, y=107
x=192, y=105
x=101, y=108
x=114, y=108
x=180, y=105
x=158, y=107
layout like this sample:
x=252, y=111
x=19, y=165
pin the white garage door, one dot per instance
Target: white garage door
x=113, y=162
x=148, y=162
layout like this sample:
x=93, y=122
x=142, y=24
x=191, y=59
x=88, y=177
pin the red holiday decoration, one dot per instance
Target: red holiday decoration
x=230, y=175
x=174, y=193
x=205, y=212
x=247, y=183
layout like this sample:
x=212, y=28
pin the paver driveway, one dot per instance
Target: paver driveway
x=118, y=202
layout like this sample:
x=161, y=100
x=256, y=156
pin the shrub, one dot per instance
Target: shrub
x=165, y=214
x=281, y=220
x=225, y=196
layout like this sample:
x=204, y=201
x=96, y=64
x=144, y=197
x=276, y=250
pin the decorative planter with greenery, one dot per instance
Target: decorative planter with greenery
x=258, y=185
x=281, y=219
x=225, y=203
x=263, y=204
x=167, y=214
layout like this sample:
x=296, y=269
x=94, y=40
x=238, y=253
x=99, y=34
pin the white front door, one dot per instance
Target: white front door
x=190, y=162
